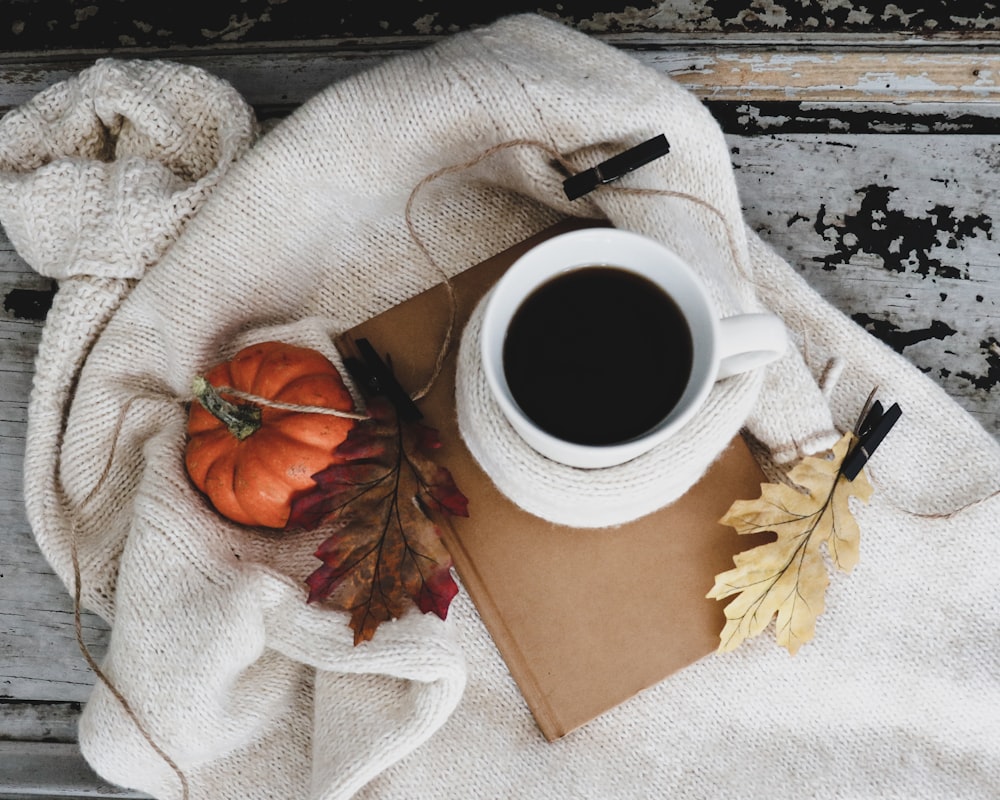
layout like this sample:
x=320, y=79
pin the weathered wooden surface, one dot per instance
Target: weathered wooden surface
x=899, y=233
x=731, y=75
x=865, y=140
x=50, y=771
x=58, y=24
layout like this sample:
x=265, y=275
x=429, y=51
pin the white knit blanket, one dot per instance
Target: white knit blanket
x=299, y=235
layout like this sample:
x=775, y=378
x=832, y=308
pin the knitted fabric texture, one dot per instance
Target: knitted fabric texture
x=255, y=694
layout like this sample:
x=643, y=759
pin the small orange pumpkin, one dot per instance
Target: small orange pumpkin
x=251, y=460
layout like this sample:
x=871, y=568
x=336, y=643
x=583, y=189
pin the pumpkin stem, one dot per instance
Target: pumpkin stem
x=242, y=419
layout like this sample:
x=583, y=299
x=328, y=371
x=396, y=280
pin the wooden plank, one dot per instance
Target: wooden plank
x=837, y=76
x=900, y=233
x=30, y=721
x=47, y=24
x=51, y=770
x=39, y=658
x=276, y=82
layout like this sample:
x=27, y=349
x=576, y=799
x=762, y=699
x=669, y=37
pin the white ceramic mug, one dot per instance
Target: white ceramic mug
x=719, y=347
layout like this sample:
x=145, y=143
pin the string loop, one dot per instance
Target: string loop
x=267, y=402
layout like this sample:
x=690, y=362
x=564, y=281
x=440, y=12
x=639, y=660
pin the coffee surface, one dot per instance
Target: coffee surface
x=598, y=355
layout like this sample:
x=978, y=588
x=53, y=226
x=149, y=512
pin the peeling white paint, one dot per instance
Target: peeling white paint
x=80, y=14
x=629, y=19
x=984, y=78
x=425, y=24
x=236, y=29
x=648, y=18
x=893, y=11
x=879, y=82
x=752, y=114
x=672, y=17
x=834, y=74
x=768, y=12
x=976, y=23
x=859, y=16
x=990, y=156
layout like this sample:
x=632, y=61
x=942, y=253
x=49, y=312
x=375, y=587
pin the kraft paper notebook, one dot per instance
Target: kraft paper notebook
x=584, y=619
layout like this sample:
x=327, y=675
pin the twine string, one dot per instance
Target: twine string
x=268, y=402
x=929, y=515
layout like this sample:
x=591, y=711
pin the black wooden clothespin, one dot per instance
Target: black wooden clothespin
x=615, y=167
x=375, y=377
x=872, y=430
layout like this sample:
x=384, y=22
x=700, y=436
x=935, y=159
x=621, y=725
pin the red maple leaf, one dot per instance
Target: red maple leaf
x=381, y=501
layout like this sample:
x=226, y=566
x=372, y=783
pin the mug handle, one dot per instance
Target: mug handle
x=748, y=341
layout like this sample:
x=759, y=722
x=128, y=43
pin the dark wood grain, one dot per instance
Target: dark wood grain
x=110, y=24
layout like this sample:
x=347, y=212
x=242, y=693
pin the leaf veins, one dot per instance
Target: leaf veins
x=786, y=579
x=380, y=501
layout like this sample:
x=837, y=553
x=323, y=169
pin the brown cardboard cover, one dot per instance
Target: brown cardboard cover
x=584, y=618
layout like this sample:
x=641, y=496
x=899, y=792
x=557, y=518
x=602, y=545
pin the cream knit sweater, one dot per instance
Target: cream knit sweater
x=254, y=694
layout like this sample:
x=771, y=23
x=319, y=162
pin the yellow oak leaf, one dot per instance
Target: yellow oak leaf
x=787, y=578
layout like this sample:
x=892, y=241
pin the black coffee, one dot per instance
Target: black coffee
x=597, y=356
